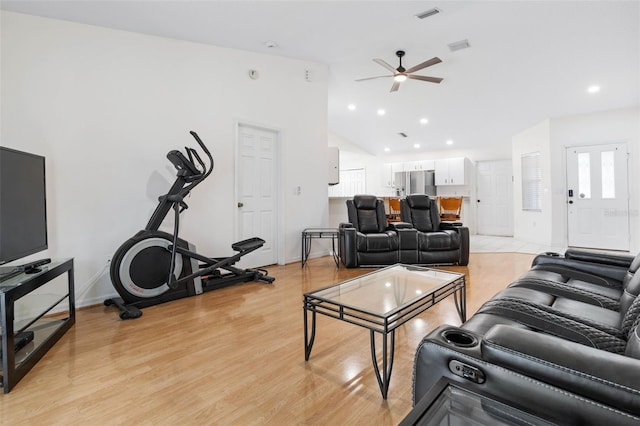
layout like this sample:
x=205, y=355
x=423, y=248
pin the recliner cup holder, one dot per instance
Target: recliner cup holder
x=459, y=338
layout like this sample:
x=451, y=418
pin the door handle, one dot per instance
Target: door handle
x=478, y=200
x=240, y=205
x=570, y=201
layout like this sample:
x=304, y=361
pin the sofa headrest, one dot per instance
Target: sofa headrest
x=419, y=201
x=365, y=202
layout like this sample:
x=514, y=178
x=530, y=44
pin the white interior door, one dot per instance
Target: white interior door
x=256, y=192
x=494, y=197
x=598, y=197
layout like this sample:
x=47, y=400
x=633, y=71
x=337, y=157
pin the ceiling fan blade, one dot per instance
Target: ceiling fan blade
x=425, y=78
x=425, y=64
x=373, y=78
x=396, y=85
x=385, y=64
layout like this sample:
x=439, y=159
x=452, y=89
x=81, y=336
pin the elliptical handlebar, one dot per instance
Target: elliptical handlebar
x=188, y=177
x=206, y=151
x=193, y=154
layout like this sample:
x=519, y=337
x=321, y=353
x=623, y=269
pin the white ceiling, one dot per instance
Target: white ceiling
x=528, y=60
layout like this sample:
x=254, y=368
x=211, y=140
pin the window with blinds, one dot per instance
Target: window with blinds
x=531, y=182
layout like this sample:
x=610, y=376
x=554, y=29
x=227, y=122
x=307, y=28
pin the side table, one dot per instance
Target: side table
x=311, y=233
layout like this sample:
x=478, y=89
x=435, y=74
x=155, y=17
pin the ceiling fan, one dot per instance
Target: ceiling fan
x=400, y=74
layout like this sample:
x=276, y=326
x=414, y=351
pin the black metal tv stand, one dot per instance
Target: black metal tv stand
x=28, y=335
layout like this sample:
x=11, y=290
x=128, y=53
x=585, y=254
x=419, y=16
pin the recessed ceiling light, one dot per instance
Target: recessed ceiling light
x=387, y=149
x=593, y=89
x=381, y=112
x=449, y=142
x=352, y=107
x=423, y=121
x=416, y=145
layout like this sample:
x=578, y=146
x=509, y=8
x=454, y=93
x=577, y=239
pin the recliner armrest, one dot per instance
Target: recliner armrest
x=596, y=374
x=400, y=225
x=622, y=260
x=558, y=263
x=464, y=240
x=450, y=225
x=347, y=242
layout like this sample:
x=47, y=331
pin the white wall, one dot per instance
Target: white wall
x=551, y=137
x=105, y=106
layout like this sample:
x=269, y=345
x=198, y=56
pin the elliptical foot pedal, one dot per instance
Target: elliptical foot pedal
x=126, y=311
x=248, y=244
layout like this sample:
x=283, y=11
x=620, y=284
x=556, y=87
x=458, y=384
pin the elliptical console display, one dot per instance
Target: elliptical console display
x=155, y=266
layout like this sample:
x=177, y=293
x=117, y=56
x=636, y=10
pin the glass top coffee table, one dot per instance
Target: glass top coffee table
x=382, y=301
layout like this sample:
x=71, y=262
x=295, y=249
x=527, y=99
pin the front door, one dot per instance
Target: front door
x=598, y=197
x=256, y=192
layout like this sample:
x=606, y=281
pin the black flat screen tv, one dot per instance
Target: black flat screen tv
x=23, y=204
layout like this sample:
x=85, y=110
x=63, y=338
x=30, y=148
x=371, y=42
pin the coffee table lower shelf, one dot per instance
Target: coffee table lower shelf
x=384, y=324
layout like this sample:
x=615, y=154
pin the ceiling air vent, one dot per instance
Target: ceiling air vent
x=428, y=13
x=403, y=134
x=458, y=45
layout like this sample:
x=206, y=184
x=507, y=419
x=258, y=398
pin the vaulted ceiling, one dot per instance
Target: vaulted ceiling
x=526, y=61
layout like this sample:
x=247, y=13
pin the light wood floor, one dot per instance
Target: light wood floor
x=235, y=356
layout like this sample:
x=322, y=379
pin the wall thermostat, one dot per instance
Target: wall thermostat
x=254, y=74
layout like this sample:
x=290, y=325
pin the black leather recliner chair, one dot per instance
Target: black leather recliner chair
x=438, y=242
x=367, y=240
x=547, y=345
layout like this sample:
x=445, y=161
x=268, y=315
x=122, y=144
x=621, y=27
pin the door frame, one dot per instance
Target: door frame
x=279, y=174
x=564, y=158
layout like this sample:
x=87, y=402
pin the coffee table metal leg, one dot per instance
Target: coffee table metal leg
x=460, y=297
x=308, y=339
x=387, y=360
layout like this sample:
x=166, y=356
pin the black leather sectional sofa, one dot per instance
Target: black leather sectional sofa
x=562, y=342
x=421, y=238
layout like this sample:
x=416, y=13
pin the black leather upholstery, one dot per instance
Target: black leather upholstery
x=437, y=244
x=556, y=354
x=368, y=240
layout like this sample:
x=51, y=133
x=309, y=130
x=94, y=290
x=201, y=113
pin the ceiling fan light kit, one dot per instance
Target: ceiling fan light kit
x=401, y=74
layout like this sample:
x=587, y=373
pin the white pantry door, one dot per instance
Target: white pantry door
x=494, y=197
x=256, y=192
x=598, y=197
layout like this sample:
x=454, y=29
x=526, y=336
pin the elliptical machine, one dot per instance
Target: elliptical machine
x=154, y=266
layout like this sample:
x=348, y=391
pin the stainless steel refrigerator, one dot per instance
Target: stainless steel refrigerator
x=417, y=182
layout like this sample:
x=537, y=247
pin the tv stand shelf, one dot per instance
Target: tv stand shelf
x=45, y=321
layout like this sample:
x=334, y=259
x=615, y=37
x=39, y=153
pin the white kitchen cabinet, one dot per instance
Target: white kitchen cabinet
x=397, y=167
x=450, y=171
x=386, y=176
x=412, y=166
x=428, y=165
